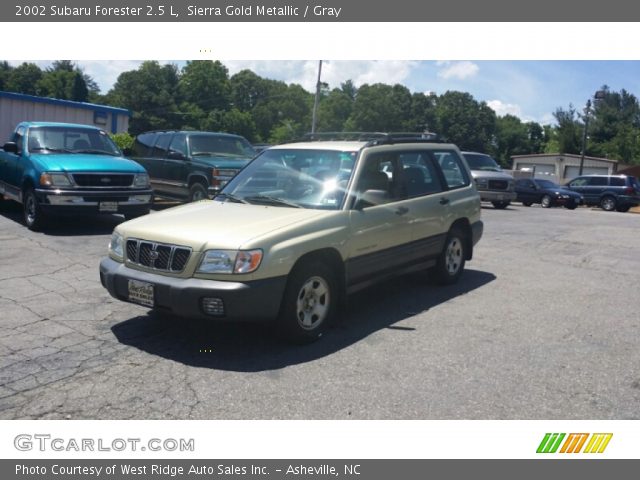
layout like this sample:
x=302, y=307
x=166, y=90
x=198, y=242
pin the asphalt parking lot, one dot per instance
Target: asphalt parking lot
x=545, y=324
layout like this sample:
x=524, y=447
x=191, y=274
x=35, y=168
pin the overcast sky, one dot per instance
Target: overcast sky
x=532, y=90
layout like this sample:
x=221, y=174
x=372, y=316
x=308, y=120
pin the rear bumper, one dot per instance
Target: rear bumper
x=476, y=231
x=496, y=196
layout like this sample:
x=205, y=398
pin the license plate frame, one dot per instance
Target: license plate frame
x=108, y=206
x=142, y=293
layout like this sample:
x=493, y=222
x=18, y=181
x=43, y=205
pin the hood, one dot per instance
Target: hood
x=212, y=224
x=564, y=191
x=84, y=162
x=492, y=175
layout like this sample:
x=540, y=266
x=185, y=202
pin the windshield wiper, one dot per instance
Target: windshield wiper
x=49, y=149
x=233, y=198
x=267, y=200
x=89, y=150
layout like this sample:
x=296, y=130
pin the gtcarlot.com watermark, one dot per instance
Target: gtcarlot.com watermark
x=46, y=443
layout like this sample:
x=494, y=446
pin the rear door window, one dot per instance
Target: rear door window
x=597, y=181
x=455, y=174
x=419, y=174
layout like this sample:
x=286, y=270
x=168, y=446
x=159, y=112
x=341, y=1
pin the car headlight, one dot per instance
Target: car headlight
x=230, y=261
x=116, y=245
x=141, y=180
x=55, y=180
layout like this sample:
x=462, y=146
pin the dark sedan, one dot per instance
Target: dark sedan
x=546, y=193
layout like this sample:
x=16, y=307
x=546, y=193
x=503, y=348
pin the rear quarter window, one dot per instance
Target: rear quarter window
x=143, y=145
x=618, y=182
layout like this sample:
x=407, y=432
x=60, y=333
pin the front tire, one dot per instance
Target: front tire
x=32, y=213
x=197, y=192
x=452, y=259
x=546, y=201
x=309, y=303
x=623, y=209
x=608, y=203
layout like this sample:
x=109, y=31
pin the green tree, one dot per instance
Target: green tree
x=150, y=92
x=615, y=126
x=334, y=110
x=380, y=107
x=568, y=132
x=247, y=89
x=5, y=71
x=512, y=138
x=24, y=79
x=466, y=122
x=205, y=84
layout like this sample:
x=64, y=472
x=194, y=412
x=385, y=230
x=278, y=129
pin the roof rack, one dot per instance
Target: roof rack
x=373, y=138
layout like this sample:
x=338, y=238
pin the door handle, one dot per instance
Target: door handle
x=444, y=201
x=401, y=210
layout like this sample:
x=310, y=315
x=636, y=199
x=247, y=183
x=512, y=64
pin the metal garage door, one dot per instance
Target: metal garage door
x=572, y=172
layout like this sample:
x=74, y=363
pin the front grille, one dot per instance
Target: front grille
x=104, y=180
x=158, y=256
x=498, y=184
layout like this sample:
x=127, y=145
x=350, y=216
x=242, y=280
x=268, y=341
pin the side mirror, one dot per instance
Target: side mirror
x=371, y=198
x=10, y=147
x=127, y=152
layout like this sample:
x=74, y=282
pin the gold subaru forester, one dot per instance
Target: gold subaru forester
x=299, y=228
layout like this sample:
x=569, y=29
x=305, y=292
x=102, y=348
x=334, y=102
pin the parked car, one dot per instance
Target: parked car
x=300, y=227
x=610, y=192
x=546, y=193
x=186, y=165
x=62, y=168
x=493, y=184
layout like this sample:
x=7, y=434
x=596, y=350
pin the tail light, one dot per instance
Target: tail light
x=628, y=190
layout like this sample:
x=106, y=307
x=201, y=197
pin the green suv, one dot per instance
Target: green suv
x=299, y=228
x=186, y=165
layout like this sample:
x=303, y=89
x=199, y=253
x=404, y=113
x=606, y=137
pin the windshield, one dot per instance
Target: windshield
x=479, y=161
x=220, y=145
x=64, y=139
x=305, y=178
x=546, y=184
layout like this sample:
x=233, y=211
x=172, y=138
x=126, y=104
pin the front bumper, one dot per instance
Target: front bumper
x=128, y=201
x=257, y=300
x=497, y=196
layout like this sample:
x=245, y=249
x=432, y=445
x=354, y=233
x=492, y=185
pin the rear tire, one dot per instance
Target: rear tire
x=309, y=303
x=32, y=213
x=197, y=192
x=623, y=209
x=608, y=203
x=452, y=259
x=500, y=205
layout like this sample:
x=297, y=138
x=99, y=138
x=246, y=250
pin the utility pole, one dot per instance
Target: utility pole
x=587, y=110
x=316, y=100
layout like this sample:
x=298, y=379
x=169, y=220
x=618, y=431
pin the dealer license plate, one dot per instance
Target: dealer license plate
x=108, y=206
x=141, y=293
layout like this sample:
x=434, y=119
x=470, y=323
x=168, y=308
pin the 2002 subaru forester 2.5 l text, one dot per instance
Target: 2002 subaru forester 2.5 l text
x=300, y=227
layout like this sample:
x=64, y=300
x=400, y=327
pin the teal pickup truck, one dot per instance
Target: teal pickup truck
x=190, y=165
x=60, y=168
